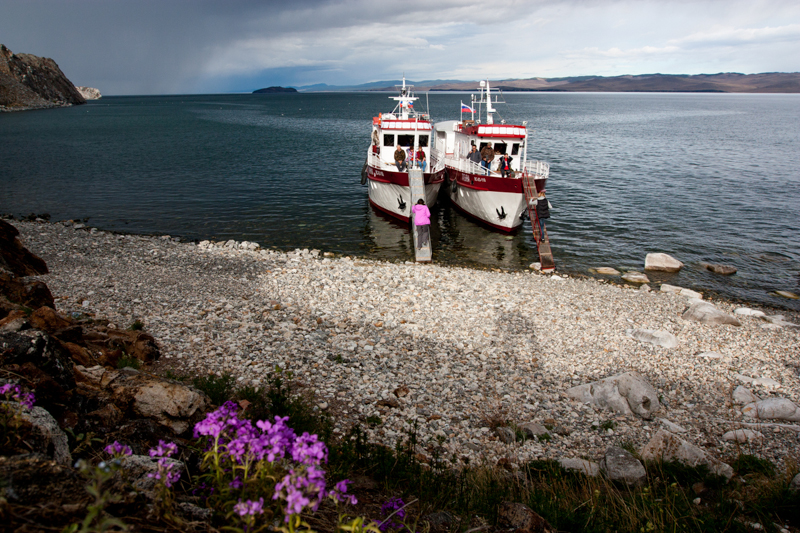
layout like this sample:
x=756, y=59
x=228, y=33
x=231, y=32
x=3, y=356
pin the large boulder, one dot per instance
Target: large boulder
x=662, y=262
x=773, y=408
x=664, y=446
x=626, y=394
x=707, y=313
x=169, y=403
x=620, y=465
x=46, y=436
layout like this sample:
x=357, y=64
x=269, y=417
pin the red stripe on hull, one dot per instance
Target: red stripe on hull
x=401, y=178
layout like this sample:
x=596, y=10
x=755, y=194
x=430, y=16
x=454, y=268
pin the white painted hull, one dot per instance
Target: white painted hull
x=395, y=200
x=488, y=206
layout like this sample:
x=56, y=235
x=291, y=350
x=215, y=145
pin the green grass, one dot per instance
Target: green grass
x=128, y=361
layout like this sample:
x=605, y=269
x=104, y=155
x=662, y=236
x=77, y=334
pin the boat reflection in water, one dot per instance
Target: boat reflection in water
x=456, y=241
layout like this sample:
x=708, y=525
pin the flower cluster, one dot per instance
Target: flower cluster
x=249, y=508
x=241, y=453
x=167, y=472
x=118, y=450
x=394, y=508
x=14, y=392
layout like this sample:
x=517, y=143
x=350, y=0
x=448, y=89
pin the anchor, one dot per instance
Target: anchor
x=401, y=205
x=501, y=213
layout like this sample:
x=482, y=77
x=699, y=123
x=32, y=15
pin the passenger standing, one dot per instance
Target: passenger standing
x=487, y=156
x=421, y=162
x=400, y=159
x=474, y=155
x=542, y=211
x=422, y=220
x=505, y=166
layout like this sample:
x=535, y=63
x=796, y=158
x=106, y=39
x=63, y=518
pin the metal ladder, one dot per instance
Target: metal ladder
x=537, y=170
x=416, y=183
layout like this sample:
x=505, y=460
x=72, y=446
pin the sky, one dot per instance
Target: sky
x=126, y=47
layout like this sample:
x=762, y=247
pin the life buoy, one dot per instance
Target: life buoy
x=364, y=173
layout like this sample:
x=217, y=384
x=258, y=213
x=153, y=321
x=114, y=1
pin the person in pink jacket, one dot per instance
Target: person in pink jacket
x=422, y=220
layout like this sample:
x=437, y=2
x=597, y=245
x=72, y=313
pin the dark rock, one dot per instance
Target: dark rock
x=14, y=257
x=522, y=519
x=723, y=270
x=43, y=353
x=28, y=81
x=620, y=465
x=505, y=434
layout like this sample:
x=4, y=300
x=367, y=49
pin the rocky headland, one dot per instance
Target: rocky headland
x=89, y=93
x=32, y=82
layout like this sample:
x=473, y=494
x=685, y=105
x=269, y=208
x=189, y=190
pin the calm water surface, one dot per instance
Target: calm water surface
x=703, y=177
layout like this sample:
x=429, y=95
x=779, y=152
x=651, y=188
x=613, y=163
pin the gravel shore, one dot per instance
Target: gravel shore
x=447, y=349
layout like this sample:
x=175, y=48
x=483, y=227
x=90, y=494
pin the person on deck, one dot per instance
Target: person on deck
x=422, y=220
x=400, y=159
x=474, y=155
x=421, y=162
x=487, y=156
x=505, y=166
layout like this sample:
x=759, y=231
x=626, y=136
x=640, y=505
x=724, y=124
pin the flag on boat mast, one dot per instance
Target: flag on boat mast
x=466, y=109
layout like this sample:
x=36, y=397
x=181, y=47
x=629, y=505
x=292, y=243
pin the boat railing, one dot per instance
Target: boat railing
x=538, y=170
x=436, y=162
x=469, y=166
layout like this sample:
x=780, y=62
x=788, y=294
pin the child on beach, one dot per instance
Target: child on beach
x=422, y=220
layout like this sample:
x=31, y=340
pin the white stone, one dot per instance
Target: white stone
x=742, y=396
x=672, y=426
x=746, y=311
x=47, y=435
x=662, y=262
x=583, y=466
x=742, y=436
x=635, y=277
x=607, y=271
x=627, y=394
x=659, y=337
x=763, y=382
x=706, y=313
x=773, y=408
x=664, y=446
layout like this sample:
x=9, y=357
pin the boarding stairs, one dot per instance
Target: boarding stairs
x=416, y=182
x=537, y=170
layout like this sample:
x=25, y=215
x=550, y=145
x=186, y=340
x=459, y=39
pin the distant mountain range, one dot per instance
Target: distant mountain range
x=726, y=82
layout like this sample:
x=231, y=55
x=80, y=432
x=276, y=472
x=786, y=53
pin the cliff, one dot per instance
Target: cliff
x=32, y=82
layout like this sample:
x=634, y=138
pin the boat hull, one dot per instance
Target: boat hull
x=389, y=191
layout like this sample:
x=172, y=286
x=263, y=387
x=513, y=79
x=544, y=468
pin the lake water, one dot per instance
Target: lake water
x=703, y=177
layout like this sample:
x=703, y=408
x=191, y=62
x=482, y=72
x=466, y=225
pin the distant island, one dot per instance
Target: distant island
x=273, y=90
x=725, y=82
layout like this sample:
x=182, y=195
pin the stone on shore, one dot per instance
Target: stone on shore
x=743, y=435
x=607, y=271
x=583, y=466
x=768, y=383
x=746, y=311
x=773, y=408
x=662, y=262
x=707, y=313
x=787, y=294
x=625, y=394
x=674, y=289
x=662, y=338
x=635, y=277
x=664, y=446
x=620, y=465
x=743, y=396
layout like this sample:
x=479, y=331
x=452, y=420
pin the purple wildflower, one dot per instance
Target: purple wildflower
x=277, y=438
x=164, y=449
x=118, y=450
x=301, y=488
x=167, y=472
x=394, y=504
x=308, y=450
x=26, y=399
x=218, y=422
x=236, y=483
x=339, y=493
x=249, y=508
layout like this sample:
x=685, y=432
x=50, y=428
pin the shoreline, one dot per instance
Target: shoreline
x=446, y=348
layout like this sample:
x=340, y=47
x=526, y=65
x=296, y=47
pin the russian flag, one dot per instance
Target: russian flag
x=466, y=109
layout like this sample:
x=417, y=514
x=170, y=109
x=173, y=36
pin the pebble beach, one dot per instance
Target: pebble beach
x=448, y=350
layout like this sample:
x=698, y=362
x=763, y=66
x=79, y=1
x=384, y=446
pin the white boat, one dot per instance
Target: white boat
x=484, y=193
x=389, y=189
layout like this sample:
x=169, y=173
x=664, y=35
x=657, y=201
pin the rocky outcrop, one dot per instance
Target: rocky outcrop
x=32, y=82
x=89, y=93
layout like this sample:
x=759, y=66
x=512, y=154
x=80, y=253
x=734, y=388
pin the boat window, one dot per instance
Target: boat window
x=500, y=147
x=388, y=140
x=405, y=140
x=423, y=140
x=515, y=149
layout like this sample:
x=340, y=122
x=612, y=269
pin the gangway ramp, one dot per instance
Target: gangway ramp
x=538, y=170
x=416, y=182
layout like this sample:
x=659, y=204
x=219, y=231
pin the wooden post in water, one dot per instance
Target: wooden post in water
x=416, y=182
